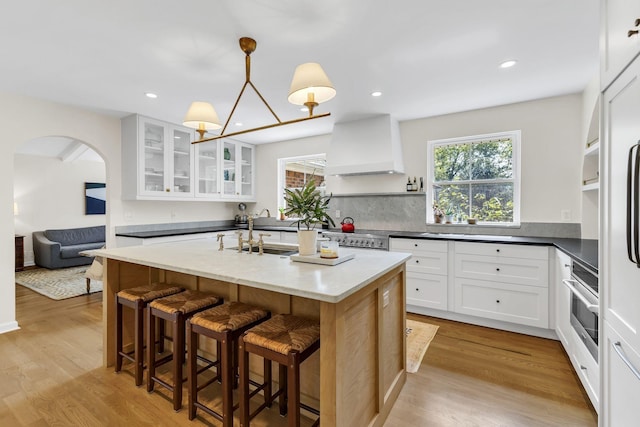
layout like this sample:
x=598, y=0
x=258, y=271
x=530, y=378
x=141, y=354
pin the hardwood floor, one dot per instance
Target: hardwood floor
x=51, y=375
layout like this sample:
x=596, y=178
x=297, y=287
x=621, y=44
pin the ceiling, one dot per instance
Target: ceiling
x=427, y=57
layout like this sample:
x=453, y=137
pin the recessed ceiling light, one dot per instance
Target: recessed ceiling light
x=150, y=95
x=305, y=109
x=376, y=93
x=508, y=64
x=238, y=123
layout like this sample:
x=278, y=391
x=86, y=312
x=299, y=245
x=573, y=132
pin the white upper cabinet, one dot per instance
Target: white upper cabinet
x=207, y=169
x=619, y=40
x=157, y=159
x=237, y=170
x=159, y=162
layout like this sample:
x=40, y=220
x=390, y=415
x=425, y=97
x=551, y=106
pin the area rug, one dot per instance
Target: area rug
x=57, y=284
x=419, y=336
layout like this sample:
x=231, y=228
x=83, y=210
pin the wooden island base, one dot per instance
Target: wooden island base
x=360, y=369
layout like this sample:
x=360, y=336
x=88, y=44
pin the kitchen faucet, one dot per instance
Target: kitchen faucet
x=262, y=211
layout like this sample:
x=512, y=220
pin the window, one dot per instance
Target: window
x=476, y=177
x=294, y=172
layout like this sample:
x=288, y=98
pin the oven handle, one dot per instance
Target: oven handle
x=617, y=346
x=591, y=307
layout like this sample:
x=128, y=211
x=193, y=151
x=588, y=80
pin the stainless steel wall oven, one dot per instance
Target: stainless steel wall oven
x=584, y=305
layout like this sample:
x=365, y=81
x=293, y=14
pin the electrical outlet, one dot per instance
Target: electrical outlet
x=128, y=215
x=338, y=213
x=565, y=215
x=173, y=215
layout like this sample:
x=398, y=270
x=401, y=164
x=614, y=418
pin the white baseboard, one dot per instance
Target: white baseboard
x=8, y=327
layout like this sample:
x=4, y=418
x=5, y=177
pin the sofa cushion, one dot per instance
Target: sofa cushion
x=77, y=236
x=73, y=251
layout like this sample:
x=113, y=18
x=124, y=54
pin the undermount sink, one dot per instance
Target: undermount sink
x=272, y=248
x=469, y=236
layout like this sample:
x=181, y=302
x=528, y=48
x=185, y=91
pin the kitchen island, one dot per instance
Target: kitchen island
x=360, y=304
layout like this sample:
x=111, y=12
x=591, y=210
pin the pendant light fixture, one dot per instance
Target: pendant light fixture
x=310, y=86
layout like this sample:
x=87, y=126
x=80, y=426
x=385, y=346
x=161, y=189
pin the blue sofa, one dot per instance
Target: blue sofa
x=61, y=248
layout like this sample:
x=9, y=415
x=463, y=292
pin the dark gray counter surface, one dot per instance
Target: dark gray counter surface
x=582, y=250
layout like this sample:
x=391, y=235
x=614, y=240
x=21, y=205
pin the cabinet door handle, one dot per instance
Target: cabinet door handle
x=498, y=269
x=498, y=301
x=632, y=33
x=633, y=168
x=584, y=368
x=617, y=346
x=497, y=250
x=415, y=244
x=417, y=261
x=636, y=22
x=417, y=289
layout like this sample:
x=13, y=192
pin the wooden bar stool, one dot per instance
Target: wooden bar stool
x=137, y=299
x=175, y=309
x=224, y=323
x=288, y=340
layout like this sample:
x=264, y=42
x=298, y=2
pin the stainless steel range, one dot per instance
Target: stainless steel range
x=359, y=240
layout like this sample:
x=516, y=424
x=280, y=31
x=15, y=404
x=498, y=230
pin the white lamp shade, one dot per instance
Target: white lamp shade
x=202, y=115
x=310, y=78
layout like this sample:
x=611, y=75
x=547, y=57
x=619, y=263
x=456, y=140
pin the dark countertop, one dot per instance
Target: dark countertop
x=582, y=250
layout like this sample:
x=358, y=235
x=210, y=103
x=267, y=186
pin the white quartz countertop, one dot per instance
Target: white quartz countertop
x=270, y=272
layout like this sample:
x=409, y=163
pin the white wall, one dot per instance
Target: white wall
x=25, y=119
x=56, y=201
x=551, y=154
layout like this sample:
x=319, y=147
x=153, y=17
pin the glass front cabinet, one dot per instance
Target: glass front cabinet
x=237, y=170
x=160, y=162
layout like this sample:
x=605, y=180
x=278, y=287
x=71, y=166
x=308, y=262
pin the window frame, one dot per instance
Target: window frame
x=515, y=137
x=282, y=169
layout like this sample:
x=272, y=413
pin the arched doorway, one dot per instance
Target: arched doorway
x=50, y=177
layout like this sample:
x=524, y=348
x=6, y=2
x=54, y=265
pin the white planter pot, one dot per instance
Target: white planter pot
x=307, y=242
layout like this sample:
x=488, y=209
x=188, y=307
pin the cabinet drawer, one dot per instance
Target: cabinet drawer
x=531, y=272
x=428, y=262
x=503, y=250
x=427, y=290
x=586, y=367
x=525, y=305
x=411, y=245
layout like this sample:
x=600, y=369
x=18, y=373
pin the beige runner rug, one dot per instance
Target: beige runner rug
x=419, y=336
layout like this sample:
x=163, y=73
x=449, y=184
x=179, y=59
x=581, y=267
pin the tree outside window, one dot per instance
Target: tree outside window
x=476, y=177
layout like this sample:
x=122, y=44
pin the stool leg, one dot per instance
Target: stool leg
x=161, y=334
x=192, y=370
x=282, y=383
x=243, y=392
x=268, y=391
x=88, y=285
x=118, y=336
x=178, y=359
x=139, y=341
x=151, y=349
x=293, y=392
x=228, y=377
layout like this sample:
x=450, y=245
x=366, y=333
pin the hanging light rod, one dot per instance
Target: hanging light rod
x=310, y=87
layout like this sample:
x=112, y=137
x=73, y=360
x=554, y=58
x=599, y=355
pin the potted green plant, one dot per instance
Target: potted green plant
x=448, y=215
x=437, y=214
x=309, y=208
x=282, y=216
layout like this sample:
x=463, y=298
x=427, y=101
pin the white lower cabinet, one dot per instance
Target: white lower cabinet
x=621, y=377
x=427, y=290
x=427, y=272
x=526, y=305
x=586, y=367
x=562, y=298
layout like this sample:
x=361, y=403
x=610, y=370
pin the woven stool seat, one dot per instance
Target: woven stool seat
x=175, y=309
x=185, y=302
x=288, y=340
x=149, y=292
x=284, y=333
x=138, y=299
x=228, y=317
x=223, y=323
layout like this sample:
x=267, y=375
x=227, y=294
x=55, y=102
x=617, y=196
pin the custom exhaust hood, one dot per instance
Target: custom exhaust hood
x=364, y=147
